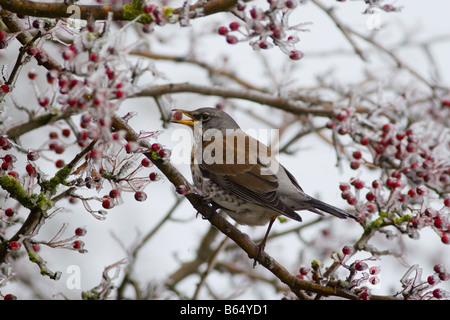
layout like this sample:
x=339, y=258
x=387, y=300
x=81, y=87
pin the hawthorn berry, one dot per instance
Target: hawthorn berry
x=439, y=268
x=439, y=293
x=60, y=163
x=354, y=165
x=9, y=296
x=156, y=147
x=234, y=25
x=9, y=212
x=80, y=231
x=361, y=265
x=140, y=196
x=78, y=244
x=370, y=196
x=358, y=184
x=145, y=162
x=114, y=193
x=177, y=115
x=231, y=39
x=374, y=270
x=223, y=31
x=107, y=203
x=347, y=250
x=15, y=245
x=4, y=88
x=295, y=55
x=433, y=279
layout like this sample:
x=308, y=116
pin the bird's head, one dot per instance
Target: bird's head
x=205, y=119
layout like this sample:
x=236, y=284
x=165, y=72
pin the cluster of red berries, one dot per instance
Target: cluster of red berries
x=269, y=27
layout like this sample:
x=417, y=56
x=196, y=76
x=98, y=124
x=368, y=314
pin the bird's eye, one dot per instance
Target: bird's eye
x=205, y=116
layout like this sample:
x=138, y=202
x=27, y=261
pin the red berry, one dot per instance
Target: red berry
x=447, y=202
x=374, y=280
x=6, y=166
x=10, y=296
x=295, y=55
x=374, y=270
x=223, y=31
x=114, y=193
x=146, y=162
x=156, y=147
x=433, y=280
x=365, y=141
x=445, y=103
x=140, y=196
x=234, y=25
x=14, y=174
x=3, y=35
x=290, y=4
x=354, y=165
x=30, y=169
x=177, y=115
x=93, y=57
x=360, y=265
x=4, y=88
x=358, y=184
x=420, y=191
x=439, y=268
x=15, y=245
x=32, y=75
x=68, y=54
x=439, y=293
x=59, y=163
x=36, y=247
x=438, y=222
x=78, y=244
x=41, y=58
x=304, y=271
x=344, y=187
x=411, y=193
x=9, y=212
x=33, y=155
x=66, y=132
x=357, y=155
x=231, y=39
x=347, y=250
x=341, y=116
x=370, y=208
x=43, y=101
x=182, y=190
x=330, y=124
x=370, y=196
x=152, y=176
x=346, y=195
x=107, y=203
x=80, y=231
x=400, y=135
x=386, y=128
x=445, y=239
x=365, y=295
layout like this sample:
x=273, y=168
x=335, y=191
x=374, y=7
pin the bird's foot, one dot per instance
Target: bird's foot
x=261, y=247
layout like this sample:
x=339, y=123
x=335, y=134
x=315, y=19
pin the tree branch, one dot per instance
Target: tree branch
x=290, y=105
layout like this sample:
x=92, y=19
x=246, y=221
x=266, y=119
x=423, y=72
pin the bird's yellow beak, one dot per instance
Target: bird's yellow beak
x=177, y=117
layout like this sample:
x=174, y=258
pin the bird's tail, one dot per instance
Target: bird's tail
x=325, y=207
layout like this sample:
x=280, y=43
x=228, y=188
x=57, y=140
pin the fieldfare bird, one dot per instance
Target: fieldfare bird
x=238, y=174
